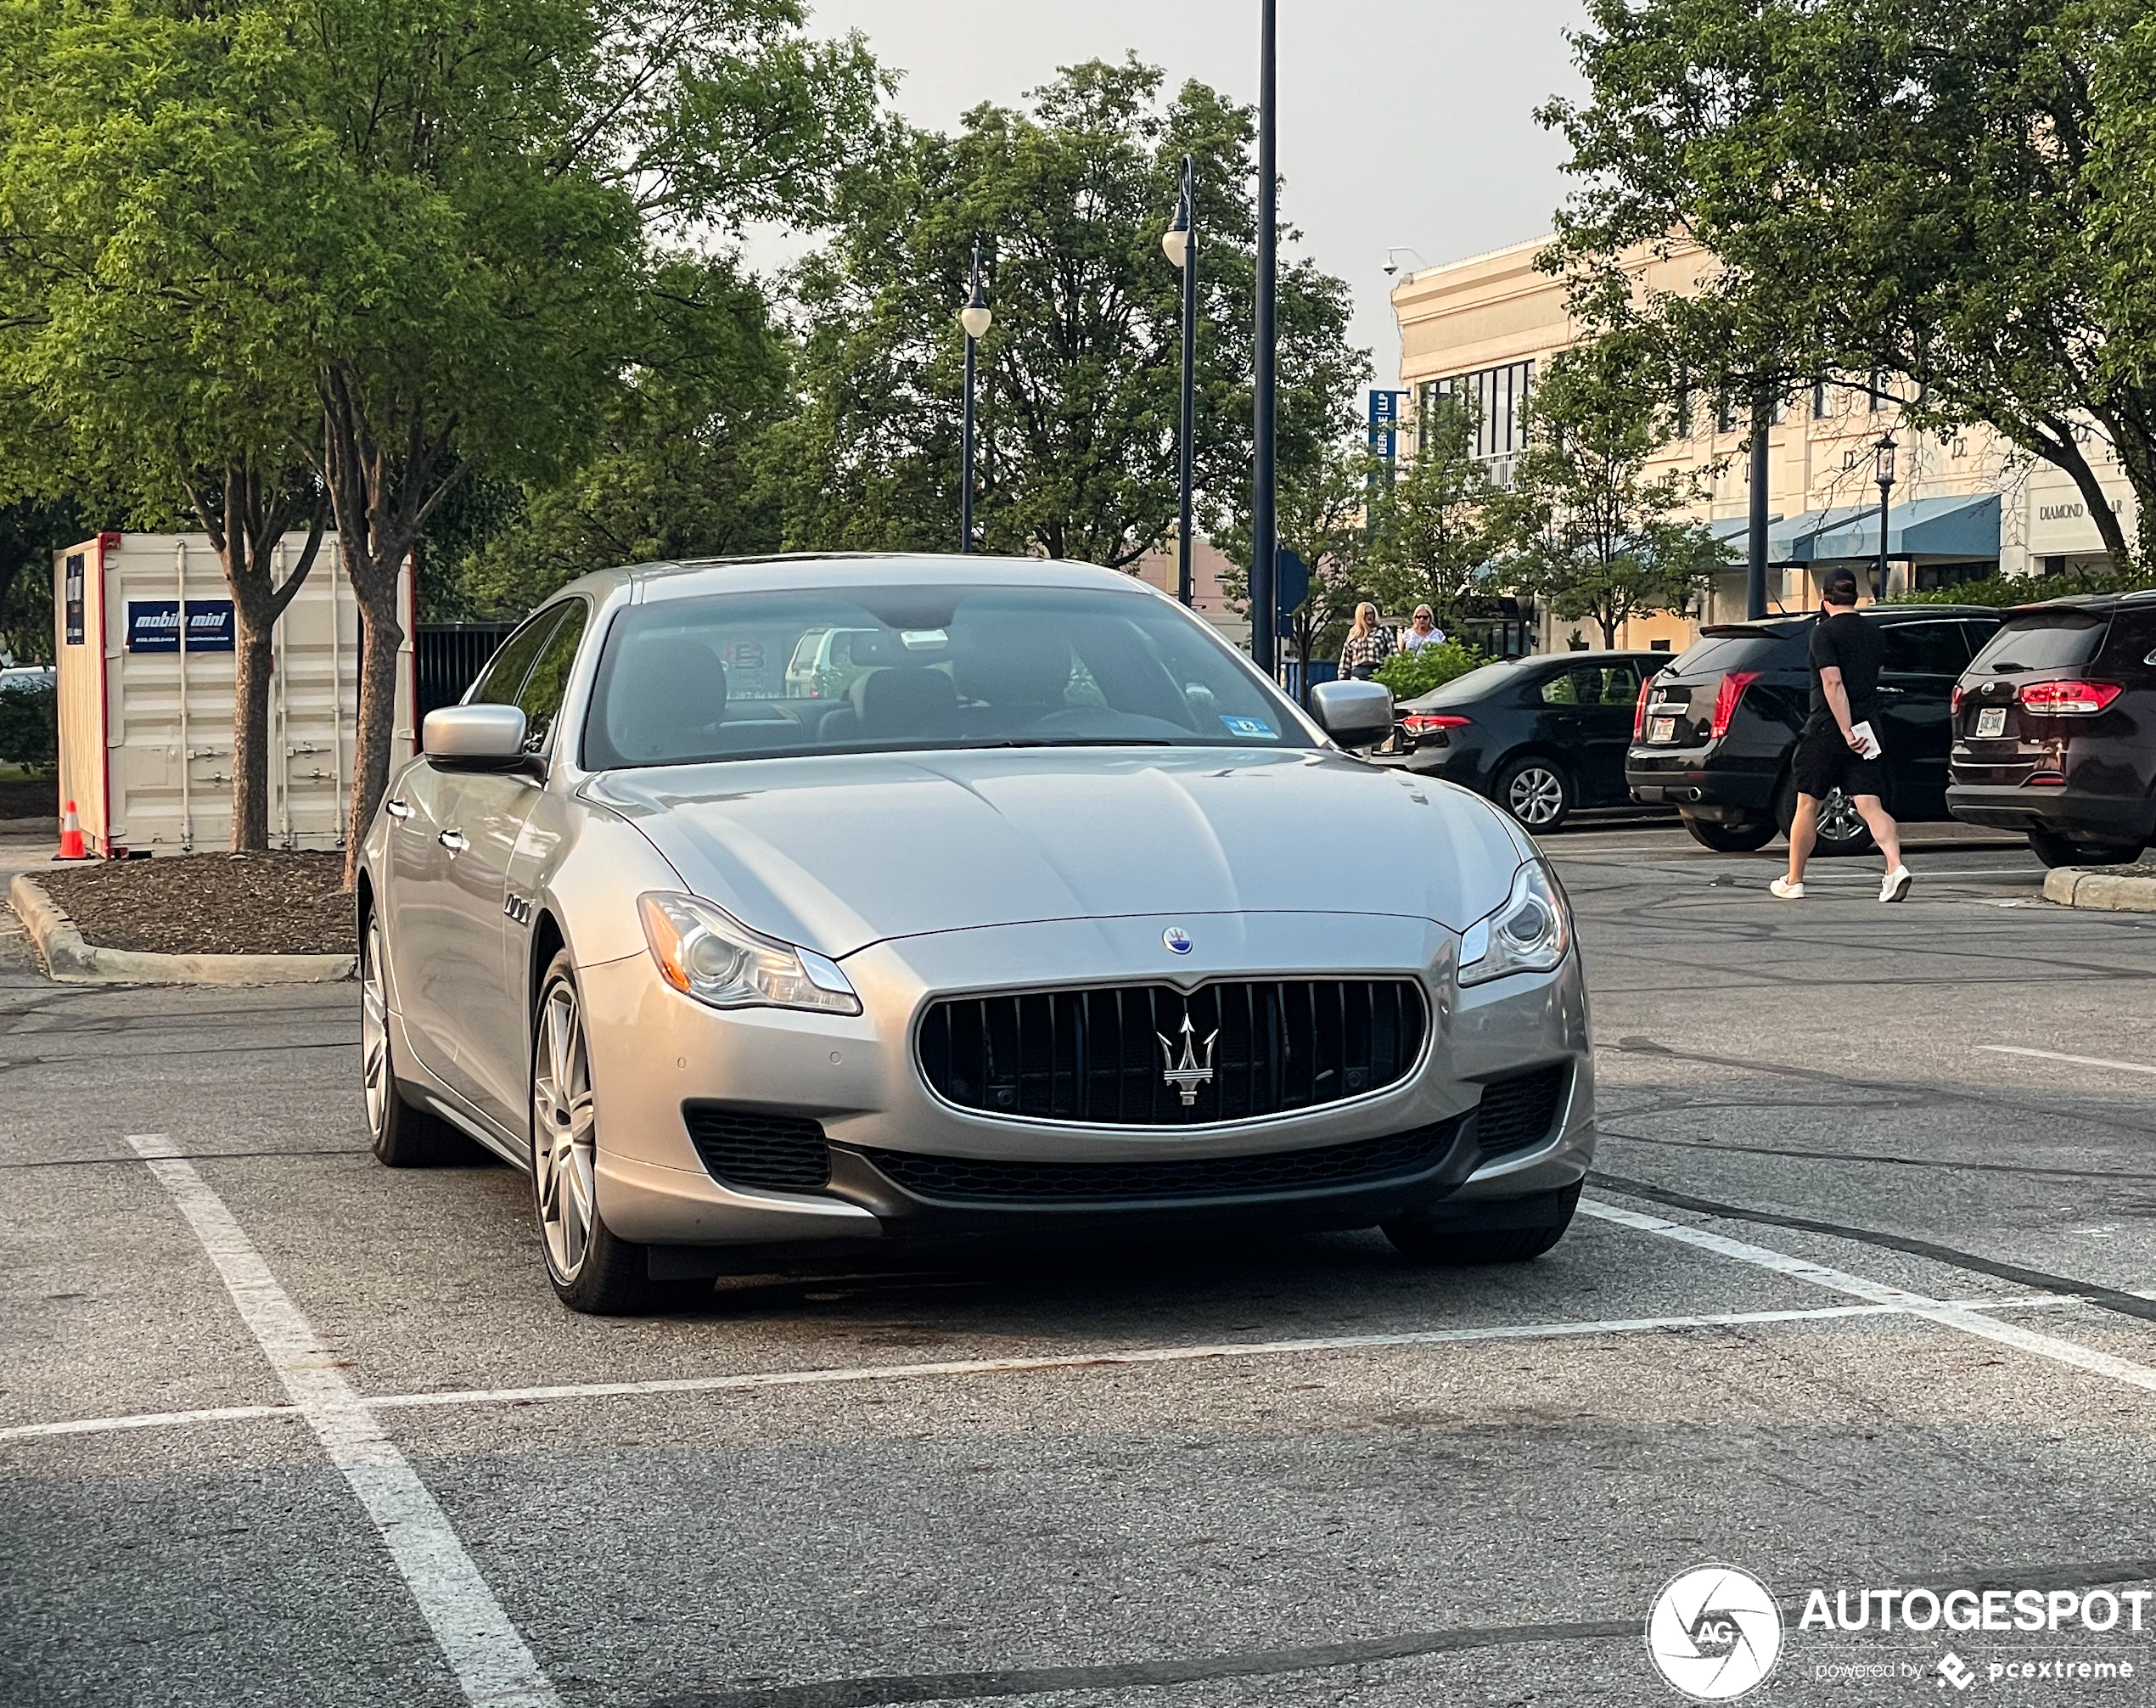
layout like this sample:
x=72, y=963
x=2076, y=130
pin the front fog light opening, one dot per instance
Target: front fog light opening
x=706, y=953
x=1529, y=933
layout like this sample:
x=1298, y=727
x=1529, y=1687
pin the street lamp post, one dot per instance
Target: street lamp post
x=976, y=318
x=1264, y=521
x=1882, y=472
x=1180, y=245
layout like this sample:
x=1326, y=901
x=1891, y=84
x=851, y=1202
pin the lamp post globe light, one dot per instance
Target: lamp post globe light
x=1180, y=245
x=976, y=318
x=1883, y=471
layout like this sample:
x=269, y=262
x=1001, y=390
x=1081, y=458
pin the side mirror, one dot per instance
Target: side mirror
x=476, y=738
x=1355, y=713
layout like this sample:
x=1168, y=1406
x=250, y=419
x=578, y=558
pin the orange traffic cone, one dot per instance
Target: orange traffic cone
x=72, y=836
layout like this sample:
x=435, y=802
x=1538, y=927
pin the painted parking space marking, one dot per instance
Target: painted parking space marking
x=2075, y=1061
x=1947, y=1313
x=1131, y=1358
x=493, y=1664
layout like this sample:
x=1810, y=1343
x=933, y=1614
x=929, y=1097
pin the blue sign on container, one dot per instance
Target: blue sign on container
x=154, y=626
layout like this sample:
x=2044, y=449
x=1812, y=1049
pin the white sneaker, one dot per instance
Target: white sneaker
x=1783, y=890
x=1896, y=884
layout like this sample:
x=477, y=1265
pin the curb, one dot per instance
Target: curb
x=72, y=961
x=2071, y=887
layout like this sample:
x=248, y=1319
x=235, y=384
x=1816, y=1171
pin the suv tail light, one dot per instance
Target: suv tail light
x=1725, y=698
x=1954, y=700
x=1430, y=722
x=1639, y=712
x=2071, y=696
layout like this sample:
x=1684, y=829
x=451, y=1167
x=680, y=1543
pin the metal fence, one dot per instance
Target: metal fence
x=451, y=656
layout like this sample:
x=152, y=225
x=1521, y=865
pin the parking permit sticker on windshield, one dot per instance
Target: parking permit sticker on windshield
x=1250, y=728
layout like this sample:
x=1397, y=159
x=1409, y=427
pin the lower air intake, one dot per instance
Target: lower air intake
x=1518, y=1114
x=757, y=1150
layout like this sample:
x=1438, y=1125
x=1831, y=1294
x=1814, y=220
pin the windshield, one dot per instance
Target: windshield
x=2041, y=640
x=752, y=676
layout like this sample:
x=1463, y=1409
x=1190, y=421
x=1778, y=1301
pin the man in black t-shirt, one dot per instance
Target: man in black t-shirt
x=1831, y=752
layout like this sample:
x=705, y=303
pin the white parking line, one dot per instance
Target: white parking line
x=2077, y=1061
x=493, y=1663
x=1947, y=1314
x=998, y=1367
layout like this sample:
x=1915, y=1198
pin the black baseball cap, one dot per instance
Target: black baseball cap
x=1839, y=587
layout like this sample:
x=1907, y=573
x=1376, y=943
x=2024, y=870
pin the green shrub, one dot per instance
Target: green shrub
x=1408, y=674
x=2025, y=590
x=29, y=727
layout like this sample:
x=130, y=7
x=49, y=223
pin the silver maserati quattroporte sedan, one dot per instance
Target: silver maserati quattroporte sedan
x=758, y=908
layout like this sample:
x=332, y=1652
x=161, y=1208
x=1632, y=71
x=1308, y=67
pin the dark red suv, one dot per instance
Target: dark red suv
x=2055, y=729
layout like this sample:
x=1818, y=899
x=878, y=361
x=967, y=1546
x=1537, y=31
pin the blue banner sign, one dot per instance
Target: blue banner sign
x=154, y=626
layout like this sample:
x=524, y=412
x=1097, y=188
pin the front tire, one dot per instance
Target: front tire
x=592, y=1272
x=1730, y=839
x=2055, y=849
x=1534, y=790
x=401, y=1135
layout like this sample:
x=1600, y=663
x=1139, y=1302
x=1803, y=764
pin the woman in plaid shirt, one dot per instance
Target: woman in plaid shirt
x=1367, y=646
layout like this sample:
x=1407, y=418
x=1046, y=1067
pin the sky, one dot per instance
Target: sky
x=1403, y=124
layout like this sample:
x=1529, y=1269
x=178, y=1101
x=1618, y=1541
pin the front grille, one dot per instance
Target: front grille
x=1516, y=1114
x=1111, y=1056
x=761, y=1151
x=971, y=1180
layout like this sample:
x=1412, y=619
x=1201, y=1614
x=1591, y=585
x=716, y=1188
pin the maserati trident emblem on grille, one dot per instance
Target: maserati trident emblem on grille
x=1188, y=1075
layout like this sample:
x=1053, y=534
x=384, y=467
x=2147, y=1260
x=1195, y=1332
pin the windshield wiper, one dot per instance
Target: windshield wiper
x=1077, y=741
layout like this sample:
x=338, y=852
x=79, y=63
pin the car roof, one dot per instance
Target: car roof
x=689, y=578
x=2096, y=605
x=1782, y=627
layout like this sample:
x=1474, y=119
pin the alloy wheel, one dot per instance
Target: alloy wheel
x=1536, y=796
x=563, y=1132
x=1839, y=819
x=374, y=1027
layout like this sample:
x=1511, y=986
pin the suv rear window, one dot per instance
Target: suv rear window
x=2041, y=640
x=1721, y=653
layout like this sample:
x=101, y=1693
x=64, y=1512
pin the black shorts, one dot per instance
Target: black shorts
x=1824, y=762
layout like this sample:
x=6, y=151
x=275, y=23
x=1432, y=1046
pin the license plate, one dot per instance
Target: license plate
x=1662, y=729
x=1992, y=720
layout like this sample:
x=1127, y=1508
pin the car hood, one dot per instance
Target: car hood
x=840, y=852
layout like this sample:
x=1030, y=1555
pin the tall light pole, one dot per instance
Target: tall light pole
x=1265, y=535
x=1180, y=245
x=1882, y=472
x=976, y=318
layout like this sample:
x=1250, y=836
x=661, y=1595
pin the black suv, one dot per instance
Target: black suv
x=1714, y=731
x=2055, y=729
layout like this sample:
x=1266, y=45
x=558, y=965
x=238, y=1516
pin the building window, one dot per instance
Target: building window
x=1726, y=413
x=1498, y=398
x=1819, y=400
x=1877, y=387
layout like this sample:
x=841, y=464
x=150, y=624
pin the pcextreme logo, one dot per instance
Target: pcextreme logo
x=1715, y=1632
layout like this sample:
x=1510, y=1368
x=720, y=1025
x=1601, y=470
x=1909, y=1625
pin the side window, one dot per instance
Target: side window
x=1620, y=685
x=548, y=681
x=1925, y=649
x=1562, y=689
x=505, y=672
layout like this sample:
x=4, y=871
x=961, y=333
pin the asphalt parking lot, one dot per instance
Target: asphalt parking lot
x=1865, y=1297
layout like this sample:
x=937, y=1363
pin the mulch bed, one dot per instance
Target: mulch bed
x=210, y=904
x=30, y=798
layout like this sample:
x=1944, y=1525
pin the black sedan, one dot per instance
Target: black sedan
x=1542, y=737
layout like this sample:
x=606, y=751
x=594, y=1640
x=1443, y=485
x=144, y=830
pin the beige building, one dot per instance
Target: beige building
x=1964, y=505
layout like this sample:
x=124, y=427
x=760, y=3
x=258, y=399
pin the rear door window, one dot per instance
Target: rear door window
x=2042, y=641
x=1939, y=648
x=1720, y=653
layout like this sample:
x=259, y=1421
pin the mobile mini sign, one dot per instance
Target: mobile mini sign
x=154, y=626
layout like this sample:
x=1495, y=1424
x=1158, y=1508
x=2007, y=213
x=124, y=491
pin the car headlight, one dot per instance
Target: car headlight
x=1529, y=933
x=704, y=953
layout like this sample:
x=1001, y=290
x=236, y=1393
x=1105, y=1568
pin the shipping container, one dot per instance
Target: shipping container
x=144, y=636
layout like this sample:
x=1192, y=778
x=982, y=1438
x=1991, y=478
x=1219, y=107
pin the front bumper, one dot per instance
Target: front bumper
x=653, y=1050
x=2074, y=813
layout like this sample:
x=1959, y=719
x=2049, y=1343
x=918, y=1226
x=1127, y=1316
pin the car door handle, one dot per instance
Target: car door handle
x=397, y=809
x=454, y=841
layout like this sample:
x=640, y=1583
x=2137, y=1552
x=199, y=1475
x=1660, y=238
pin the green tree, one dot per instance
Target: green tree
x=1079, y=374
x=1433, y=527
x=395, y=243
x=1959, y=195
x=1321, y=516
x=1586, y=527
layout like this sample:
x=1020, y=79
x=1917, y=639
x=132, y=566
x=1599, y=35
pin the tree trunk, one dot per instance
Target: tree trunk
x=250, y=732
x=381, y=634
